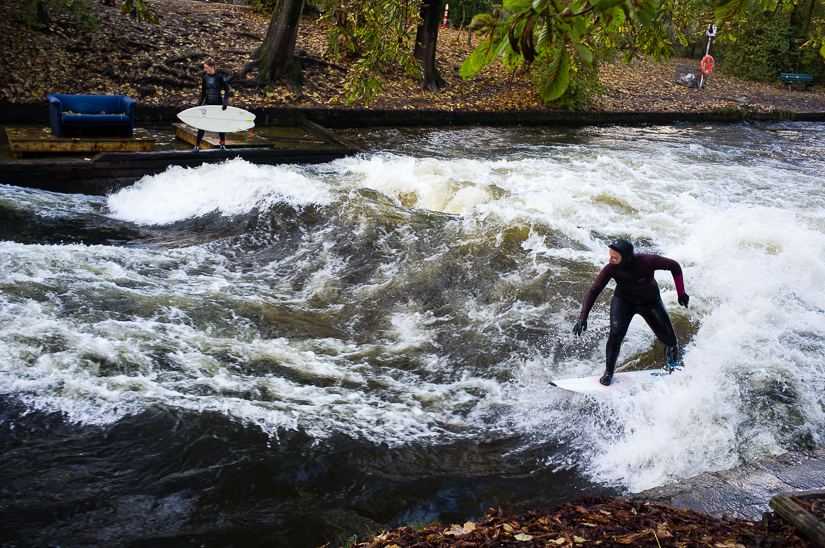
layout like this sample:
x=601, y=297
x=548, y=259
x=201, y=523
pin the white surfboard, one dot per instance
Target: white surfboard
x=620, y=381
x=214, y=118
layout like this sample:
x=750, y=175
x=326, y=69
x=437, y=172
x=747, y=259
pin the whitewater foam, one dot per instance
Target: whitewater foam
x=418, y=255
x=232, y=188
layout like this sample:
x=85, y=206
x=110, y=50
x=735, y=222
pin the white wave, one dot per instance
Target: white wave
x=231, y=188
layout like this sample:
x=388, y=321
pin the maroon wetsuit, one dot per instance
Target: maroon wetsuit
x=635, y=282
x=636, y=293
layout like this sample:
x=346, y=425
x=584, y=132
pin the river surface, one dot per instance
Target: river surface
x=236, y=355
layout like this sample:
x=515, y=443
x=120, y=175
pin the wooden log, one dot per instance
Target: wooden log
x=805, y=522
x=186, y=57
x=249, y=35
x=318, y=129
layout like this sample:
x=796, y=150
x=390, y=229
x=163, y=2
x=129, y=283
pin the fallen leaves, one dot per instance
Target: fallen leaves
x=162, y=64
x=458, y=530
x=569, y=525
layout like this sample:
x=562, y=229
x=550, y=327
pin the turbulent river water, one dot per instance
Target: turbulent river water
x=236, y=355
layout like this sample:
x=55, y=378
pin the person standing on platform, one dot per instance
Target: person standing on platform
x=213, y=85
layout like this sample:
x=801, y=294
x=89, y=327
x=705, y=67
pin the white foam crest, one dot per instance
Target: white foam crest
x=454, y=187
x=231, y=188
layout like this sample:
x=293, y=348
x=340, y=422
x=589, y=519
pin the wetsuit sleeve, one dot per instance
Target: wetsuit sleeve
x=225, y=87
x=594, y=291
x=203, y=91
x=663, y=263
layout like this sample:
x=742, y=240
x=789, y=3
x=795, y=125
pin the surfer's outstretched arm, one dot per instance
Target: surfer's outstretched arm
x=589, y=299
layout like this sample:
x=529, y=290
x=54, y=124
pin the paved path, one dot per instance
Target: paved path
x=743, y=492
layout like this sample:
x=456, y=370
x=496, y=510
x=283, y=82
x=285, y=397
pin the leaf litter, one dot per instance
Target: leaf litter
x=161, y=65
x=592, y=522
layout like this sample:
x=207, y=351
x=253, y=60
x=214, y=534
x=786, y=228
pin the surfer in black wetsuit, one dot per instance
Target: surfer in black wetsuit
x=212, y=84
x=636, y=293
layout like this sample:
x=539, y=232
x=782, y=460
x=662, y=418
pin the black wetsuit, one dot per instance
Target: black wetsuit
x=211, y=87
x=636, y=293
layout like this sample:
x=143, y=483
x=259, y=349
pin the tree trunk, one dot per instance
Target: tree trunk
x=42, y=15
x=469, y=30
x=276, y=56
x=426, y=39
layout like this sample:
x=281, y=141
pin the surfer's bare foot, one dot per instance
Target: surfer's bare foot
x=196, y=149
x=606, y=379
x=223, y=147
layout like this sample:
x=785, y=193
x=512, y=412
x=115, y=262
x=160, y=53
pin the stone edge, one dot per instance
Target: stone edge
x=29, y=113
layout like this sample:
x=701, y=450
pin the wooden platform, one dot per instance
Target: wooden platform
x=236, y=139
x=106, y=172
x=315, y=137
x=28, y=140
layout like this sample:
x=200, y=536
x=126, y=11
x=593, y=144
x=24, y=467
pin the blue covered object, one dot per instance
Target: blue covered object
x=101, y=114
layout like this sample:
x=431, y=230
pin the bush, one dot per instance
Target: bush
x=759, y=47
x=768, y=43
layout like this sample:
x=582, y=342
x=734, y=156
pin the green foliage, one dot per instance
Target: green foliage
x=811, y=58
x=729, y=112
x=558, y=33
x=548, y=31
x=76, y=8
x=770, y=37
x=461, y=11
x=265, y=6
x=380, y=35
x=783, y=114
x=758, y=48
x=139, y=11
x=583, y=84
x=421, y=524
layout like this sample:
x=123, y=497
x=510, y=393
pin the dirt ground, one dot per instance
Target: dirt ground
x=162, y=65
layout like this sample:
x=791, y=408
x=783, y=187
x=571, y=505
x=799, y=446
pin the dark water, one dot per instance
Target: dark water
x=254, y=356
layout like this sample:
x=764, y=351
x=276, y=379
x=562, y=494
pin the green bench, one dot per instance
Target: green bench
x=801, y=79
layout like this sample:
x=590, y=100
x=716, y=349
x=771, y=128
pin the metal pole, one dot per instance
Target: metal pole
x=711, y=32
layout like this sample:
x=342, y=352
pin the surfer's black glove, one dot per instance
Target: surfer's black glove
x=580, y=326
x=684, y=299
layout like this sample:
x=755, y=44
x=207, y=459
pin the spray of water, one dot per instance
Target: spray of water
x=417, y=298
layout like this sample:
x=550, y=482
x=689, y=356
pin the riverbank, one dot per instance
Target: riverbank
x=721, y=509
x=160, y=67
x=149, y=115
x=743, y=492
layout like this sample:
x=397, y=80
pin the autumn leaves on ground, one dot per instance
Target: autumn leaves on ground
x=162, y=64
x=593, y=522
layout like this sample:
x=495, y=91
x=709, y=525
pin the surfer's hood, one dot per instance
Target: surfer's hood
x=623, y=248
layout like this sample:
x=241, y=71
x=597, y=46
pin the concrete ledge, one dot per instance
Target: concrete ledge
x=743, y=492
x=37, y=112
